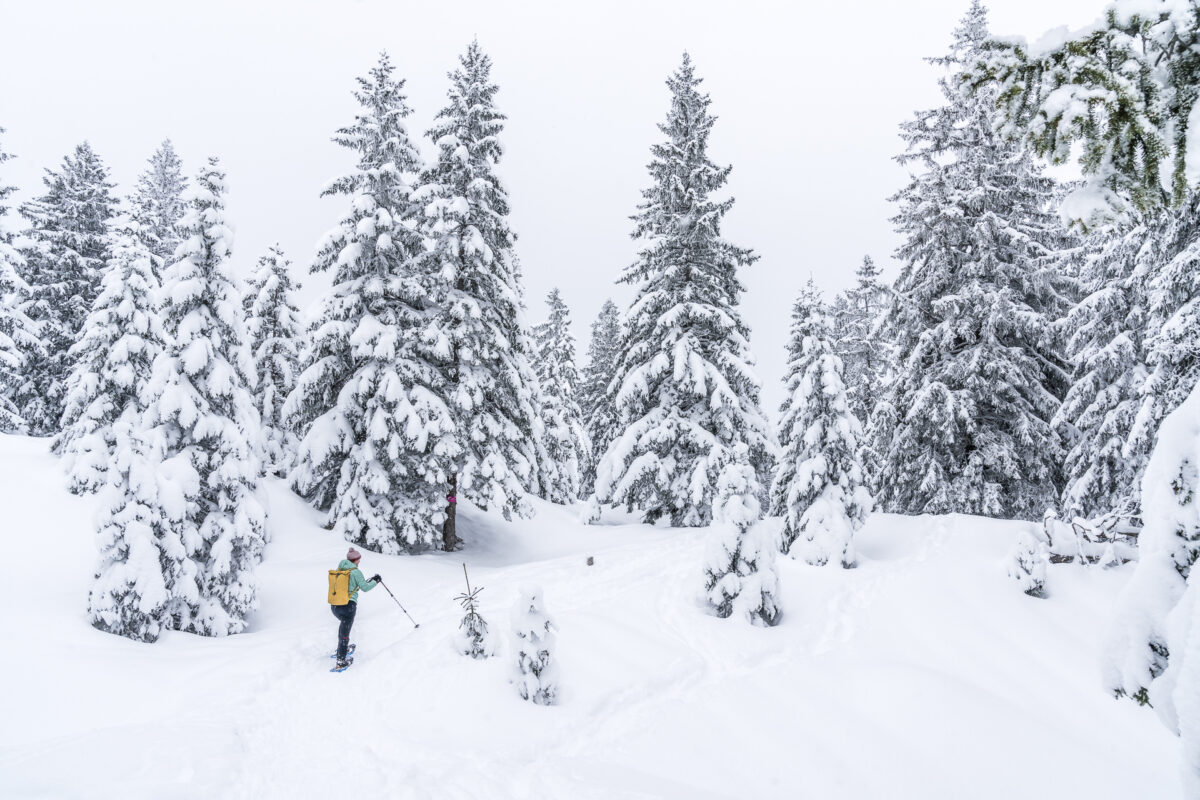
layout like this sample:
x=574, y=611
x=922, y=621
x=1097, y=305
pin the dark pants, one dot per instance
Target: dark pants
x=346, y=615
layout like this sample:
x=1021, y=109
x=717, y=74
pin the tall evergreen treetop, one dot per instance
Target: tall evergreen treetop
x=857, y=341
x=69, y=228
x=596, y=403
x=158, y=202
x=566, y=441
x=19, y=340
x=687, y=394
x=273, y=333
x=980, y=376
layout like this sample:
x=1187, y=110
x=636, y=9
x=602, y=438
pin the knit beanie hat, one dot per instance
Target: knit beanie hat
x=353, y=555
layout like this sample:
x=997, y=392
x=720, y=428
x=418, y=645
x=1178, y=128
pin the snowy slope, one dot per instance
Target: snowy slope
x=921, y=674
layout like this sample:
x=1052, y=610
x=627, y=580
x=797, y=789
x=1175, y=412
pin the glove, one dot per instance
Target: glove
x=376, y=578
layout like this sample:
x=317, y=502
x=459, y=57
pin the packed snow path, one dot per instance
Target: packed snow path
x=923, y=673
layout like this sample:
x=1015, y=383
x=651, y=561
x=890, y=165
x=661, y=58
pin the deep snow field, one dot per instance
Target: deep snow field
x=922, y=674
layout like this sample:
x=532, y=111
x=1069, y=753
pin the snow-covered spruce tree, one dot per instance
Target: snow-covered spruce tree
x=492, y=384
x=536, y=673
x=19, y=338
x=567, y=446
x=70, y=245
x=739, y=570
x=378, y=442
x=819, y=487
x=686, y=393
x=157, y=202
x=857, y=341
x=980, y=376
x=595, y=402
x=1028, y=564
x=202, y=415
x=273, y=334
x=1106, y=344
x=1139, y=647
x=1170, y=281
x=113, y=358
x=143, y=562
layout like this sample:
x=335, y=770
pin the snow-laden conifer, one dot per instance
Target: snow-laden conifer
x=1170, y=276
x=143, y=563
x=378, y=444
x=120, y=340
x=567, y=447
x=200, y=411
x=69, y=231
x=819, y=487
x=596, y=404
x=1106, y=333
x=686, y=391
x=740, y=578
x=857, y=341
x=19, y=340
x=273, y=335
x=491, y=393
x=157, y=202
x=536, y=673
x=980, y=376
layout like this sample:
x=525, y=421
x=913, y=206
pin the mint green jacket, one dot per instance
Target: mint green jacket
x=357, y=581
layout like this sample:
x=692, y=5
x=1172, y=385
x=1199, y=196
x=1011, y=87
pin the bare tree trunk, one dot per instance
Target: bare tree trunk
x=449, y=537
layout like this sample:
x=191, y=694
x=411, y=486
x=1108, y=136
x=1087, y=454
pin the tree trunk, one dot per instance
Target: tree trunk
x=449, y=537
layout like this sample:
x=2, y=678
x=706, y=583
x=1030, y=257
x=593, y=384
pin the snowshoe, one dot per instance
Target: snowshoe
x=342, y=666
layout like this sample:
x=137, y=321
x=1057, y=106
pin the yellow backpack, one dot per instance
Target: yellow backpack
x=339, y=587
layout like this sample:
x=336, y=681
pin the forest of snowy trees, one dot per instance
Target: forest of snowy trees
x=1037, y=350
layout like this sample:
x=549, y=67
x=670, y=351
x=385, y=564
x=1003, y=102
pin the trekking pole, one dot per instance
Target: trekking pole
x=410, y=619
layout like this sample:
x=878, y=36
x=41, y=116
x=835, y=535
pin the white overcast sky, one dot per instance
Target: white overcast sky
x=808, y=95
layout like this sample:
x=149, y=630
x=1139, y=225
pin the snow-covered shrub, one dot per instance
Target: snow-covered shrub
x=142, y=556
x=536, y=674
x=739, y=571
x=1028, y=565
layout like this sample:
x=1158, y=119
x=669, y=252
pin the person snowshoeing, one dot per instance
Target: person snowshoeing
x=345, y=613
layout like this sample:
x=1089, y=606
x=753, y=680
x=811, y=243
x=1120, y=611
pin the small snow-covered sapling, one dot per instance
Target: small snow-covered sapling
x=473, y=630
x=536, y=675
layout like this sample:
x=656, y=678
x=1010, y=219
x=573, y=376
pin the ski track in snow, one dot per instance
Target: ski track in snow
x=922, y=673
